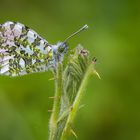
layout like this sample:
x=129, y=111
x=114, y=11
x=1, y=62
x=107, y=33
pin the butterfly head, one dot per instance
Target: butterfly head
x=59, y=50
x=61, y=47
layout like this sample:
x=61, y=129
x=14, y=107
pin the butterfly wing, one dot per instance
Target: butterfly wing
x=22, y=50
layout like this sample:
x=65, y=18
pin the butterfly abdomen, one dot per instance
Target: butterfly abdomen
x=22, y=50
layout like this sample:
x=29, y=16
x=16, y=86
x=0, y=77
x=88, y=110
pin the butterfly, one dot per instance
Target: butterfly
x=23, y=51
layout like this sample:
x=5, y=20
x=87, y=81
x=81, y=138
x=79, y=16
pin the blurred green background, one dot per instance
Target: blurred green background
x=111, y=110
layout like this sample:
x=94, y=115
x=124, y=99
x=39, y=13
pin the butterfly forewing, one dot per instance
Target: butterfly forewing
x=22, y=50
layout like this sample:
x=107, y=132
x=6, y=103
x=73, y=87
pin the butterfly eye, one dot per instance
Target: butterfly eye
x=61, y=49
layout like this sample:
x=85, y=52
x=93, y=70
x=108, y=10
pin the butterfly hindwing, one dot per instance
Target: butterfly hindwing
x=22, y=50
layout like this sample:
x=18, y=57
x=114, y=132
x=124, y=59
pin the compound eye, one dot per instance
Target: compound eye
x=61, y=49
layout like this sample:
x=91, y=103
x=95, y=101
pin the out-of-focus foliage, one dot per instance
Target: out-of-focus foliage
x=111, y=110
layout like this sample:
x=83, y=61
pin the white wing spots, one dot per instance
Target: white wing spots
x=33, y=61
x=4, y=69
x=8, y=32
x=5, y=58
x=2, y=51
x=21, y=25
x=7, y=24
x=22, y=63
x=41, y=46
x=17, y=30
x=31, y=36
x=42, y=43
x=9, y=42
x=27, y=50
x=4, y=63
x=49, y=48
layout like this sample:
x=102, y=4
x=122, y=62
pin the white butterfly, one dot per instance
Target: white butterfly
x=23, y=51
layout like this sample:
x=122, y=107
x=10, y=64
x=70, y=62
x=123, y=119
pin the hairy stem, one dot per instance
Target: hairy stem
x=76, y=102
x=56, y=104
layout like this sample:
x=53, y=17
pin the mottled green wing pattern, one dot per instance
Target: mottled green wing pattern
x=23, y=51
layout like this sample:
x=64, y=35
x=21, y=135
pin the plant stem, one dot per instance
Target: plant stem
x=76, y=102
x=56, y=105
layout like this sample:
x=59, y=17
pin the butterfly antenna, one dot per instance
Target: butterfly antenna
x=77, y=32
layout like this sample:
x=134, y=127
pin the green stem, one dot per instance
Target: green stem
x=76, y=103
x=56, y=105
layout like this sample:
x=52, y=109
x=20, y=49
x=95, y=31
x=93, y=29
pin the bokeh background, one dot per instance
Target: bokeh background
x=112, y=104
